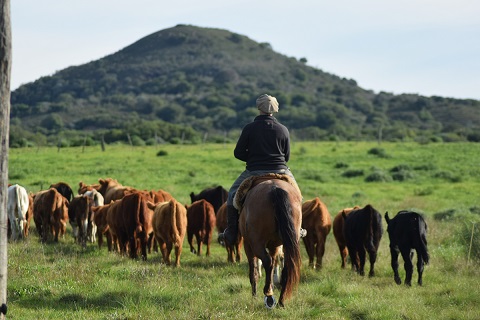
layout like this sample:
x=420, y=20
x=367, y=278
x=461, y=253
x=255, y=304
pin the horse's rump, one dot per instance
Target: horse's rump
x=271, y=216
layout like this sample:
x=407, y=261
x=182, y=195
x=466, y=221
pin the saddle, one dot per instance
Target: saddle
x=251, y=182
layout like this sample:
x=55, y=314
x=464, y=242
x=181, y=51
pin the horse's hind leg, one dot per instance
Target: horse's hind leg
x=267, y=262
x=252, y=269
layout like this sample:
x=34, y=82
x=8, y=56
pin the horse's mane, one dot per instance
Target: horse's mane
x=252, y=181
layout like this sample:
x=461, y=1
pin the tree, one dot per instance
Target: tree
x=5, y=67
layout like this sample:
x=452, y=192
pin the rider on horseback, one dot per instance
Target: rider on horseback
x=264, y=145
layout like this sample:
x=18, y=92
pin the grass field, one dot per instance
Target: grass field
x=441, y=181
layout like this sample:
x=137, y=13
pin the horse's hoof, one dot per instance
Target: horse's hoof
x=270, y=302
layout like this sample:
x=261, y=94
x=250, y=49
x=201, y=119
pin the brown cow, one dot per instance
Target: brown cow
x=82, y=187
x=130, y=221
x=317, y=221
x=169, y=227
x=111, y=189
x=233, y=251
x=100, y=219
x=201, y=222
x=160, y=196
x=29, y=215
x=338, y=222
x=50, y=213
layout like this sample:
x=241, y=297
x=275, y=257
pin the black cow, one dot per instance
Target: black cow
x=407, y=232
x=64, y=190
x=216, y=196
x=363, y=231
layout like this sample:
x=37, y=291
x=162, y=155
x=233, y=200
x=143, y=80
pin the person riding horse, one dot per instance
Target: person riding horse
x=264, y=145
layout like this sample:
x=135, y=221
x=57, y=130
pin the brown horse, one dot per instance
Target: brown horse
x=271, y=216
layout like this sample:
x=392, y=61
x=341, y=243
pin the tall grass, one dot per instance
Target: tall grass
x=64, y=281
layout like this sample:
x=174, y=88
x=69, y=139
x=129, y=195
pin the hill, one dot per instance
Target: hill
x=188, y=83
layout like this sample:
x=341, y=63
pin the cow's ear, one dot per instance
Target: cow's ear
x=151, y=205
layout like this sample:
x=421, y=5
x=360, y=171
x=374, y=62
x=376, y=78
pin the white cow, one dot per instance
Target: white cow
x=97, y=200
x=17, y=207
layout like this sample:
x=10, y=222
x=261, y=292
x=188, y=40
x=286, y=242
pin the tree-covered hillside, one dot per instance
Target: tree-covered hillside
x=189, y=83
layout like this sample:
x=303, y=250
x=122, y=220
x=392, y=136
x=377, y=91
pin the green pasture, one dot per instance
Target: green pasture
x=440, y=180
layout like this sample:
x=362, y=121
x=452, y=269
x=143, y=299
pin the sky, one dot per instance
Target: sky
x=425, y=47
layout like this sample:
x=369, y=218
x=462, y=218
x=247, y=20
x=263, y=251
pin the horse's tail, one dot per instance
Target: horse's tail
x=291, y=246
x=422, y=239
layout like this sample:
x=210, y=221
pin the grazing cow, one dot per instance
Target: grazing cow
x=96, y=200
x=339, y=235
x=160, y=196
x=363, y=232
x=64, y=190
x=29, y=216
x=50, y=213
x=216, y=196
x=79, y=214
x=130, y=221
x=100, y=219
x=200, y=222
x=82, y=187
x=17, y=210
x=407, y=232
x=111, y=189
x=234, y=253
x=317, y=221
x=169, y=227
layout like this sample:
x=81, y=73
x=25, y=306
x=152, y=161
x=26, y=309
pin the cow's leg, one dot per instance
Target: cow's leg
x=407, y=259
x=143, y=247
x=372, y=254
x=320, y=250
x=132, y=241
x=208, y=240
x=361, y=257
x=190, y=239
x=394, y=263
x=199, y=243
x=238, y=249
x=420, y=266
x=309, y=246
x=164, y=250
x=343, y=255
x=178, y=253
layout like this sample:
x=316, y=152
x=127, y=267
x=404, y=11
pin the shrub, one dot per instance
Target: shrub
x=340, y=165
x=379, y=152
x=378, y=176
x=447, y=175
x=352, y=173
x=162, y=153
x=444, y=215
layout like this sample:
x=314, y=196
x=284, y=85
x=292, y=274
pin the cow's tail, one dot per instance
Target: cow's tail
x=422, y=239
x=140, y=215
x=175, y=232
x=376, y=228
x=291, y=247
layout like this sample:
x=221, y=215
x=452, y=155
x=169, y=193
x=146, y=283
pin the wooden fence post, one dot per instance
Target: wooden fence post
x=5, y=69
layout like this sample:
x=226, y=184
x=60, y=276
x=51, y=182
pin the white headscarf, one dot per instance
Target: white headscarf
x=267, y=103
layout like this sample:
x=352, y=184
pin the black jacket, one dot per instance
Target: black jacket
x=264, y=144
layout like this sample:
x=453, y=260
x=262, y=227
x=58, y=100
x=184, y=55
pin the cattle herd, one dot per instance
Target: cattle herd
x=135, y=222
